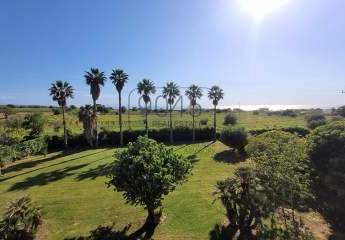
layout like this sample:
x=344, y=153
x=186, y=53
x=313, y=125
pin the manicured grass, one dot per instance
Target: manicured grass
x=74, y=198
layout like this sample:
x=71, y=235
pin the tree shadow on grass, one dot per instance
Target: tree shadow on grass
x=92, y=174
x=32, y=164
x=45, y=178
x=220, y=232
x=105, y=233
x=229, y=156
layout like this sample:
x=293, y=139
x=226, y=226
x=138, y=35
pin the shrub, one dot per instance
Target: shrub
x=145, y=172
x=7, y=154
x=204, y=121
x=21, y=219
x=14, y=122
x=288, y=113
x=31, y=147
x=34, y=123
x=341, y=111
x=256, y=112
x=9, y=136
x=230, y=119
x=315, y=120
x=56, y=111
x=234, y=137
x=300, y=131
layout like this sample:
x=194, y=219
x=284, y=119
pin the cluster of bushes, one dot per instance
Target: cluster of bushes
x=300, y=131
x=284, y=113
x=112, y=138
x=315, y=120
x=21, y=220
x=230, y=119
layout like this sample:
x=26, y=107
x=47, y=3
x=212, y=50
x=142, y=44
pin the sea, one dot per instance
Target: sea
x=274, y=107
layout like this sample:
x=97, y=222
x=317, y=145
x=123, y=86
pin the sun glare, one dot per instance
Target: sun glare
x=259, y=9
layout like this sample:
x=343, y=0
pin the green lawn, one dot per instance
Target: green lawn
x=74, y=198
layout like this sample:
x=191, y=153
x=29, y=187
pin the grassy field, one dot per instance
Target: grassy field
x=110, y=121
x=72, y=192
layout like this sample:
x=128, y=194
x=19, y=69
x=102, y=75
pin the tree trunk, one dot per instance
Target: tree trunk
x=171, y=126
x=120, y=120
x=148, y=228
x=95, y=119
x=146, y=123
x=215, y=122
x=193, y=114
x=64, y=126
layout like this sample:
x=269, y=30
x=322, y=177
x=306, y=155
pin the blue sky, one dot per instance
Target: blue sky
x=296, y=55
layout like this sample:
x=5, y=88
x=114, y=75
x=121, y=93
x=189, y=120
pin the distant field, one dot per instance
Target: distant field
x=135, y=120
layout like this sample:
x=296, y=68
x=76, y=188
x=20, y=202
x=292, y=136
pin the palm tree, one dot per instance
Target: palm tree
x=95, y=79
x=86, y=116
x=193, y=93
x=60, y=92
x=119, y=78
x=215, y=94
x=170, y=92
x=145, y=88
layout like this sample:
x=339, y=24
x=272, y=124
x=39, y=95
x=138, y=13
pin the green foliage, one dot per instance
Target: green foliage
x=21, y=219
x=341, y=111
x=14, y=122
x=230, y=119
x=300, y=131
x=7, y=154
x=315, y=120
x=245, y=202
x=204, y=121
x=146, y=171
x=10, y=136
x=56, y=111
x=35, y=123
x=31, y=147
x=234, y=137
x=282, y=163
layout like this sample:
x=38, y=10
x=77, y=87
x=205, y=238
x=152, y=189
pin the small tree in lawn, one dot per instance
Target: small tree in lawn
x=119, y=78
x=60, y=92
x=170, y=92
x=193, y=93
x=215, y=94
x=145, y=88
x=145, y=173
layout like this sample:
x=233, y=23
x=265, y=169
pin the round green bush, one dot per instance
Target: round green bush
x=234, y=137
x=230, y=119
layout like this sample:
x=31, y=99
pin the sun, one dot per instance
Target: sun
x=259, y=9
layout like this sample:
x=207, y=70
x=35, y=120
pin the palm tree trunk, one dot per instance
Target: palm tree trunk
x=146, y=123
x=95, y=119
x=120, y=120
x=193, y=113
x=171, y=126
x=215, y=122
x=64, y=126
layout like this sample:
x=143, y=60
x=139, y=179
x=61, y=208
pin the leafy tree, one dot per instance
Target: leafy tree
x=193, y=93
x=215, y=94
x=245, y=202
x=35, y=123
x=145, y=88
x=85, y=116
x=145, y=173
x=119, y=78
x=230, y=119
x=11, y=136
x=21, y=219
x=60, y=92
x=283, y=167
x=95, y=79
x=234, y=137
x=170, y=92
x=315, y=120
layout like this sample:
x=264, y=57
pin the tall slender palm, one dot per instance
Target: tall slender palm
x=215, y=94
x=119, y=78
x=60, y=92
x=145, y=88
x=170, y=92
x=193, y=93
x=95, y=79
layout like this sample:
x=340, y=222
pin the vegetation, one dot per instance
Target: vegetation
x=86, y=116
x=215, y=94
x=21, y=219
x=119, y=79
x=315, y=120
x=145, y=88
x=170, y=92
x=35, y=124
x=95, y=79
x=193, y=93
x=234, y=137
x=146, y=172
x=60, y=92
x=230, y=119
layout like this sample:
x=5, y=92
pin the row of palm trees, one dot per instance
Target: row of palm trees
x=61, y=91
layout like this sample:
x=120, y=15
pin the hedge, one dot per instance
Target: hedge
x=112, y=138
x=300, y=131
